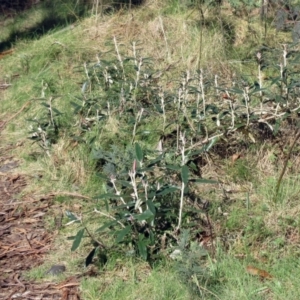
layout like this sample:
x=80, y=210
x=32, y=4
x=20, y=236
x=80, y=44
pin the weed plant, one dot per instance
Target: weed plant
x=148, y=133
x=147, y=190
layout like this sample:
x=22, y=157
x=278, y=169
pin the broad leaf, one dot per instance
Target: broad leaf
x=158, y=108
x=144, y=215
x=212, y=142
x=145, y=170
x=45, y=104
x=173, y=167
x=185, y=174
x=77, y=239
x=193, y=166
x=236, y=91
x=155, y=161
x=85, y=87
x=138, y=152
x=214, y=109
x=125, y=183
x=167, y=190
x=128, y=204
x=122, y=233
x=142, y=246
x=90, y=257
x=106, y=225
x=152, y=194
x=191, y=154
x=151, y=207
x=57, y=112
x=106, y=205
x=152, y=238
x=71, y=216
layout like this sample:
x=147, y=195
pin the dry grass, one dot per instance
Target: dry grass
x=167, y=39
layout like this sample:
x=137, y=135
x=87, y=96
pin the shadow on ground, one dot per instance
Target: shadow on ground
x=58, y=14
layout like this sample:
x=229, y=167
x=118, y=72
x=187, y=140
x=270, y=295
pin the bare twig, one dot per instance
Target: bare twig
x=75, y=195
x=17, y=113
x=108, y=216
x=100, y=243
x=285, y=165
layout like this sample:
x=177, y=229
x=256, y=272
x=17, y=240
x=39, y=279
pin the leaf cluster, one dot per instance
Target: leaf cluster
x=45, y=127
x=145, y=195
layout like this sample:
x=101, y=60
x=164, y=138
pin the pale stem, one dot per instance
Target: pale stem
x=183, y=161
x=260, y=80
x=181, y=205
x=137, y=120
x=118, y=193
x=108, y=216
x=202, y=91
x=50, y=110
x=135, y=191
x=232, y=113
x=162, y=101
x=119, y=56
x=246, y=97
x=216, y=84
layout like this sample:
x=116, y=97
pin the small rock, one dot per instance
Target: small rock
x=56, y=270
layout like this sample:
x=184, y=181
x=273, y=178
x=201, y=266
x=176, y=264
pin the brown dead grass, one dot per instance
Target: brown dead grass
x=67, y=165
x=166, y=39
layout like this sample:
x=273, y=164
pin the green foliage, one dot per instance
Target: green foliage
x=190, y=263
x=241, y=171
x=142, y=203
x=145, y=193
x=45, y=128
x=249, y=4
x=36, y=20
x=77, y=239
x=256, y=230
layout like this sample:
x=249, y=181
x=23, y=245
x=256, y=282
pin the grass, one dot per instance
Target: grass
x=250, y=227
x=132, y=283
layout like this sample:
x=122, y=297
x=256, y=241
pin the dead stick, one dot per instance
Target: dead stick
x=13, y=116
x=285, y=165
x=75, y=195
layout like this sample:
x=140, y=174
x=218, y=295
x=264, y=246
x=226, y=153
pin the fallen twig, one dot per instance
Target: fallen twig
x=75, y=195
x=13, y=116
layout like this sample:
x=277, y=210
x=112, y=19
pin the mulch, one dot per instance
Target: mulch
x=24, y=241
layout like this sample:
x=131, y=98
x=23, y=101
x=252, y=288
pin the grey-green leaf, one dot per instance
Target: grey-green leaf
x=142, y=245
x=151, y=207
x=138, y=152
x=90, y=257
x=167, y=190
x=122, y=233
x=77, y=239
x=173, y=167
x=185, y=174
x=71, y=216
x=144, y=215
x=212, y=143
x=106, y=225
